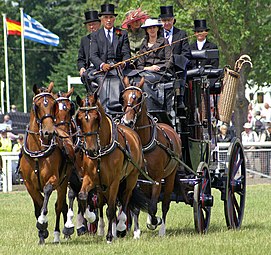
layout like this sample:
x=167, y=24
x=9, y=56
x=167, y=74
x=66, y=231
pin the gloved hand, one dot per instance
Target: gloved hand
x=106, y=67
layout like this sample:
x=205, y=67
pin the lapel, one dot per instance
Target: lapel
x=115, y=40
x=175, y=37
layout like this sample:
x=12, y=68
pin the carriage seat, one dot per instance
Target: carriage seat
x=209, y=72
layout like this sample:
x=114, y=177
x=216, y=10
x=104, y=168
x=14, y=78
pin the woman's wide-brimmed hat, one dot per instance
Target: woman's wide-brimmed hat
x=247, y=125
x=200, y=25
x=134, y=15
x=151, y=23
x=108, y=9
x=91, y=16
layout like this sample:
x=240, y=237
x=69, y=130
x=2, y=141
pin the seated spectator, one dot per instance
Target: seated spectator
x=7, y=120
x=17, y=146
x=248, y=135
x=13, y=108
x=223, y=136
x=6, y=144
x=266, y=112
x=258, y=123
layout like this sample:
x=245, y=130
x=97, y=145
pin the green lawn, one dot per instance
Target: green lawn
x=18, y=234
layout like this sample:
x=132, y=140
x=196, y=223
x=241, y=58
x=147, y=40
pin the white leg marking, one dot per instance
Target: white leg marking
x=69, y=223
x=137, y=234
x=89, y=216
x=42, y=218
x=162, y=230
x=101, y=226
x=79, y=221
x=56, y=237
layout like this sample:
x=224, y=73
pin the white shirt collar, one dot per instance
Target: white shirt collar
x=200, y=44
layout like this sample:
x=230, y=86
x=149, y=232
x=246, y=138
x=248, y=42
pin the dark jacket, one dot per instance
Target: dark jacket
x=99, y=52
x=161, y=57
x=181, y=47
x=201, y=63
x=83, y=59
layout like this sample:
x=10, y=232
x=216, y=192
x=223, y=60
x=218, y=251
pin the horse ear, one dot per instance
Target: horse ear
x=78, y=100
x=70, y=92
x=51, y=86
x=140, y=84
x=35, y=89
x=126, y=81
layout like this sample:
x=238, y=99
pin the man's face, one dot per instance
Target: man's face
x=167, y=23
x=93, y=26
x=201, y=35
x=108, y=21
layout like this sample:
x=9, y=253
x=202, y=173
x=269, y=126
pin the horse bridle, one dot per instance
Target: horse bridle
x=138, y=106
x=62, y=102
x=92, y=154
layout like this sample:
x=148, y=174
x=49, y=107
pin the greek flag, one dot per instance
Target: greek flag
x=35, y=31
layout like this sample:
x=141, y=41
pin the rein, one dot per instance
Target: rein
x=145, y=53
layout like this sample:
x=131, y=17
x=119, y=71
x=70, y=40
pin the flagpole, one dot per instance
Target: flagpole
x=6, y=62
x=23, y=60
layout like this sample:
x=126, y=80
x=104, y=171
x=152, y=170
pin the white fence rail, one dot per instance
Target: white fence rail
x=6, y=175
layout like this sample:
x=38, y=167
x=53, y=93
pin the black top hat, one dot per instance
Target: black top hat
x=166, y=12
x=91, y=16
x=107, y=9
x=200, y=25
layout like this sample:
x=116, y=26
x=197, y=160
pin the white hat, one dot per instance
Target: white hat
x=151, y=23
x=247, y=125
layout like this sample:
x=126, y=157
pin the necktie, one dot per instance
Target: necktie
x=167, y=34
x=108, y=36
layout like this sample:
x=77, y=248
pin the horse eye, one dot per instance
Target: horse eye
x=134, y=96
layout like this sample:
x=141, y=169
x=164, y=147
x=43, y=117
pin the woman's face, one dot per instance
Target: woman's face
x=135, y=25
x=152, y=31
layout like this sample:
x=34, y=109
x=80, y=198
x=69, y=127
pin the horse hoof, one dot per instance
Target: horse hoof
x=151, y=227
x=43, y=234
x=42, y=226
x=68, y=231
x=121, y=234
x=81, y=231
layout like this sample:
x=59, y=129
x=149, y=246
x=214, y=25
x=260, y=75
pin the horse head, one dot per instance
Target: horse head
x=131, y=99
x=88, y=118
x=65, y=110
x=44, y=109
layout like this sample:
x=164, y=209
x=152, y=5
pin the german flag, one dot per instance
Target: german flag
x=13, y=27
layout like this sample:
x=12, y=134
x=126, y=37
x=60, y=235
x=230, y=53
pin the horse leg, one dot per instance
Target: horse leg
x=130, y=183
x=60, y=207
x=101, y=223
x=68, y=229
x=135, y=216
x=152, y=220
x=93, y=206
x=169, y=185
x=111, y=209
x=42, y=222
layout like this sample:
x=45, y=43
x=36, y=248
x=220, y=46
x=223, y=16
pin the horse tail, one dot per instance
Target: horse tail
x=139, y=200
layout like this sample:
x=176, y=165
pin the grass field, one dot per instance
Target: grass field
x=18, y=234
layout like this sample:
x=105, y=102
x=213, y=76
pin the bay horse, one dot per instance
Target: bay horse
x=68, y=135
x=111, y=162
x=159, y=140
x=43, y=164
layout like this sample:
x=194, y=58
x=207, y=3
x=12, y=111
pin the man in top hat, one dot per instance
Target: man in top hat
x=92, y=23
x=201, y=32
x=109, y=46
x=180, y=49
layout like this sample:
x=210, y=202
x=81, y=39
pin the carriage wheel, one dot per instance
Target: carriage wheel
x=234, y=204
x=203, y=200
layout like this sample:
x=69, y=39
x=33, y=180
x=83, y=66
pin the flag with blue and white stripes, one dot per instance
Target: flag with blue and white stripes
x=35, y=31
